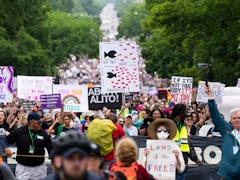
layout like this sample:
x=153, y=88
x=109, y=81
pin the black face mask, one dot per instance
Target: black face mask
x=48, y=123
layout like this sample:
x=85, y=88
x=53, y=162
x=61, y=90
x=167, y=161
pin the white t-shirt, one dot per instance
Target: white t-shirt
x=132, y=130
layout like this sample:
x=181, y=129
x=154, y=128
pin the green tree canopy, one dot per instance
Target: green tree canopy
x=77, y=35
x=181, y=33
x=131, y=21
x=23, y=38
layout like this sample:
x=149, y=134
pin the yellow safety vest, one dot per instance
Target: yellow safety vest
x=182, y=139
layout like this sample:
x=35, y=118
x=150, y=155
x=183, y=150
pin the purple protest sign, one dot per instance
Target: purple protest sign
x=51, y=101
x=6, y=83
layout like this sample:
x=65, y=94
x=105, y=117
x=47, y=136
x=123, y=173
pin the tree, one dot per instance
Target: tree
x=23, y=38
x=77, y=35
x=181, y=33
x=131, y=21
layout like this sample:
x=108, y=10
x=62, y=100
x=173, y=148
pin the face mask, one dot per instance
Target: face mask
x=162, y=135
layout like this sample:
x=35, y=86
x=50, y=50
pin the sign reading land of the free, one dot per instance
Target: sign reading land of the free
x=161, y=161
x=119, y=67
x=181, y=90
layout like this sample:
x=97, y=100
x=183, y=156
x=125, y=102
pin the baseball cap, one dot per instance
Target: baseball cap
x=33, y=116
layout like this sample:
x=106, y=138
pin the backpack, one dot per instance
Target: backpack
x=129, y=170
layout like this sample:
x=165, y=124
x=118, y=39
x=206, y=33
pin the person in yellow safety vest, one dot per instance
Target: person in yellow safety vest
x=178, y=115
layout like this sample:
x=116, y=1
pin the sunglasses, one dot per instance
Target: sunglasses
x=161, y=130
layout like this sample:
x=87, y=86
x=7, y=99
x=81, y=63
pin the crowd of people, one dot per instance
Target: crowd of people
x=98, y=144
x=82, y=70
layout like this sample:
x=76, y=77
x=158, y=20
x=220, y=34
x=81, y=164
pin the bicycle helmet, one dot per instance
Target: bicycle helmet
x=71, y=141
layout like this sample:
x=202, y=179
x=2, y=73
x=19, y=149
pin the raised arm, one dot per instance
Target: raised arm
x=220, y=124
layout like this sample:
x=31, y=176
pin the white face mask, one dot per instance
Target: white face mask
x=162, y=135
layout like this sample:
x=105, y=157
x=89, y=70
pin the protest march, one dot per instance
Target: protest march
x=48, y=127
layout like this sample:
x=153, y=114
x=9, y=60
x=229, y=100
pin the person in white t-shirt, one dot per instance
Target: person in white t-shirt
x=129, y=128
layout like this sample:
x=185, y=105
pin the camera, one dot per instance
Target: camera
x=203, y=66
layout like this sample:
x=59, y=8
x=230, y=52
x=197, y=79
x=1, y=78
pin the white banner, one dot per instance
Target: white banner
x=31, y=87
x=119, y=67
x=6, y=84
x=74, y=97
x=181, y=90
x=217, y=89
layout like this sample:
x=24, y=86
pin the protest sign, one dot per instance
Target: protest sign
x=119, y=67
x=207, y=149
x=31, y=87
x=74, y=97
x=181, y=90
x=217, y=89
x=6, y=84
x=27, y=104
x=51, y=101
x=161, y=161
x=97, y=101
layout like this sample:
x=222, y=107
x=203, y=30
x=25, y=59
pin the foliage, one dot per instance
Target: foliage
x=181, y=33
x=35, y=40
x=130, y=24
x=61, y=5
x=23, y=37
x=77, y=35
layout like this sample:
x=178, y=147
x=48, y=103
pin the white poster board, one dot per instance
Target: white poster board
x=238, y=84
x=74, y=97
x=119, y=67
x=161, y=161
x=217, y=89
x=6, y=84
x=181, y=90
x=31, y=87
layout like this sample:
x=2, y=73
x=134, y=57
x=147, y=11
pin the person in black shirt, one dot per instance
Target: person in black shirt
x=4, y=128
x=61, y=129
x=31, y=141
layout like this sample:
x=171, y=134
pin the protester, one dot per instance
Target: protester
x=165, y=129
x=153, y=115
x=179, y=113
x=47, y=121
x=229, y=167
x=129, y=128
x=88, y=118
x=105, y=134
x=4, y=128
x=191, y=129
x=73, y=151
x=19, y=122
x=95, y=161
x=59, y=130
x=31, y=141
x=126, y=155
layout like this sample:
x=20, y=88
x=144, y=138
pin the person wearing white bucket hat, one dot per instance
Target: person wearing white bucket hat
x=165, y=129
